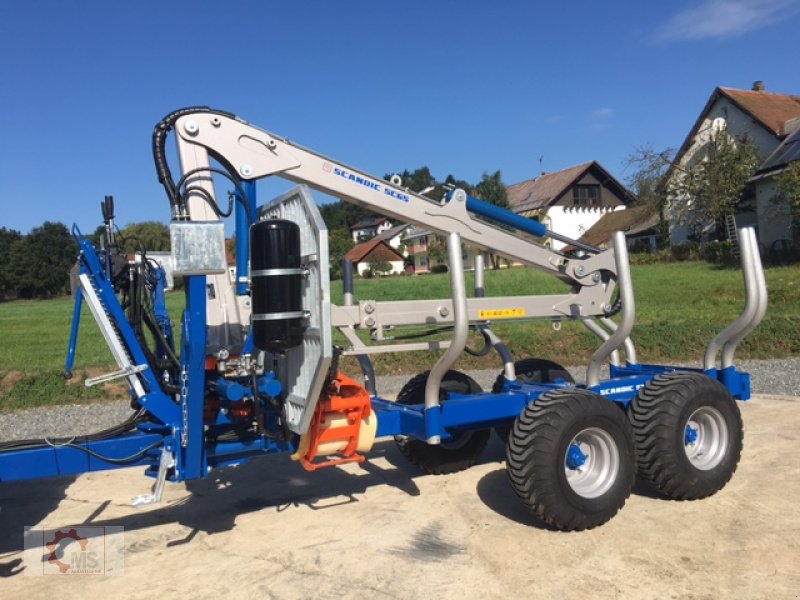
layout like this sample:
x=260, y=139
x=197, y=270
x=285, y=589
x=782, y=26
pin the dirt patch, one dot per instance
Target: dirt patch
x=8, y=380
x=111, y=390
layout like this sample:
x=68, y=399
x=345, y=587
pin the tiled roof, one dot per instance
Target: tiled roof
x=374, y=248
x=631, y=220
x=368, y=223
x=787, y=152
x=542, y=191
x=771, y=110
x=548, y=189
x=415, y=232
x=390, y=233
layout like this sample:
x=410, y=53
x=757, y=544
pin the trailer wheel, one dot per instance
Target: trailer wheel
x=688, y=434
x=530, y=370
x=451, y=456
x=570, y=459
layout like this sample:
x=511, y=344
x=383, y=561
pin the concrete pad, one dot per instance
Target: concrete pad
x=269, y=529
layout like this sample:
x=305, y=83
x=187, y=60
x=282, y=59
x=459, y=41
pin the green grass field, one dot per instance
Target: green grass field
x=680, y=307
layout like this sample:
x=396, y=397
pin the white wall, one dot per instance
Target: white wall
x=397, y=267
x=371, y=232
x=573, y=222
x=774, y=220
x=357, y=233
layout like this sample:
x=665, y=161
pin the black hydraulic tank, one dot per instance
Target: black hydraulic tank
x=276, y=277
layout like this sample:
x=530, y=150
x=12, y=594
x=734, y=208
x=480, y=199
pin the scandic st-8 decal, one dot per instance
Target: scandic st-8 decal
x=624, y=389
x=365, y=181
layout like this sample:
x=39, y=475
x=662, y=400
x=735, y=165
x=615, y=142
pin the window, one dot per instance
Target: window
x=586, y=195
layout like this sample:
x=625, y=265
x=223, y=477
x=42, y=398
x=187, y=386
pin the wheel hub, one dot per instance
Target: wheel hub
x=591, y=462
x=705, y=438
x=575, y=457
x=691, y=435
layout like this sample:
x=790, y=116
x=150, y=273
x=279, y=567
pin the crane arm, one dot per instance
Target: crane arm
x=253, y=153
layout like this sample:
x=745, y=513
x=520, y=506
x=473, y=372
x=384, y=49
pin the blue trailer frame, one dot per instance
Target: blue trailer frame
x=191, y=417
x=178, y=426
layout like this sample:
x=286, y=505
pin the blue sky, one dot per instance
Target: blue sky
x=463, y=87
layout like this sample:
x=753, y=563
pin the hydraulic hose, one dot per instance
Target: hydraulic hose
x=160, y=131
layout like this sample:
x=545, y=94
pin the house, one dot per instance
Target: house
x=640, y=225
x=395, y=237
x=428, y=250
x=375, y=251
x=417, y=242
x=769, y=121
x=777, y=215
x=571, y=201
x=369, y=228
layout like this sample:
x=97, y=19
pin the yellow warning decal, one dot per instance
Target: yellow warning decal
x=501, y=313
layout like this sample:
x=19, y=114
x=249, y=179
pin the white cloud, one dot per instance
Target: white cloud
x=602, y=114
x=724, y=18
x=600, y=118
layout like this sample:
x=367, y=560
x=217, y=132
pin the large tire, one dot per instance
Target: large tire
x=570, y=459
x=451, y=456
x=530, y=370
x=688, y=434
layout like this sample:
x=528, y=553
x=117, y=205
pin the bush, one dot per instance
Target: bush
x=646, y=258
x=718, y=253
x=684, y=252
x=641, y=247
x=380, y=267
x=439, y=269
x=715, y=253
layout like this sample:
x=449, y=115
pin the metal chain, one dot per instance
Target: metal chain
x=184, y=397
x=333, y=372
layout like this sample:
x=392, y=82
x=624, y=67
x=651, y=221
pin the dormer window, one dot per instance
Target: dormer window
x=586, y=195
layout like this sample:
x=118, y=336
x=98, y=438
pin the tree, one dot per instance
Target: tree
x=339, y=244
x=97, y=236
x=452, y=183
x=649, y=183
x=380, y=266
x=40, y=261
x=491, y=189
x=7, y=239
x=421, y=180
x=343, y=215
x=787, y=188
x=714, y=186
x=151, y=236
x=437, y=251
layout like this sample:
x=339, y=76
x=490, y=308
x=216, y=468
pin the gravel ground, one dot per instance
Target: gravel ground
x=775, y=377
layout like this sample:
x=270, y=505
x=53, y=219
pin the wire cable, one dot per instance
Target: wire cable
x=123, y=427
x=115, y=460
x=233, y=179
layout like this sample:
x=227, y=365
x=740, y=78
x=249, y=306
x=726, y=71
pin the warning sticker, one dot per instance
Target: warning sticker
x=501, y=313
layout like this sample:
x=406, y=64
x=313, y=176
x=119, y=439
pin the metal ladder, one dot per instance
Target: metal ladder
x=733, y=234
